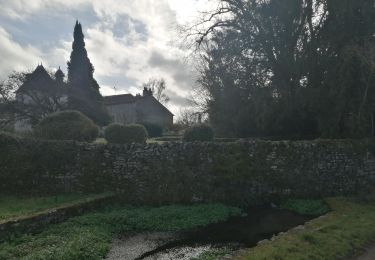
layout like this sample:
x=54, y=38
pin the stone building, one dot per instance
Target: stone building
x=39, y=95
x=42, y=93
x=128, y=109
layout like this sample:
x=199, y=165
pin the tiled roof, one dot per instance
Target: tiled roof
x=39, y=79
x=129, y=98
x=119, y=99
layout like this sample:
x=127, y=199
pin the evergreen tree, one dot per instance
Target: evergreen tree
x=84, y=90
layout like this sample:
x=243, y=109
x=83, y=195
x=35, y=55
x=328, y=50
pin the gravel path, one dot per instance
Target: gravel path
x=130, y=247
x=180, y=253
x=133, y=246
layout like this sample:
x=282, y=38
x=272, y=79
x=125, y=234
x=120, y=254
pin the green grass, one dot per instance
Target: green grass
x=154, y=141
x=340, y=234
x=306, y=207
x=12, y=207
x=89, y=236
x=212, y=254
x=100, y=141
x=149, y=141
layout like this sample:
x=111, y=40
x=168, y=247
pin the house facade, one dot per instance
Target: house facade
x=145, y=108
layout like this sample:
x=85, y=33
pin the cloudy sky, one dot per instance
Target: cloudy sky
x=128, y=41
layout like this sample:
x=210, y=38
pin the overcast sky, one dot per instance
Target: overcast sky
x=128, y=41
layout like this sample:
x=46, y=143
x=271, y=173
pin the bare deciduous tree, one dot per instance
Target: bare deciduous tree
x=37, y=106
x=158, y=88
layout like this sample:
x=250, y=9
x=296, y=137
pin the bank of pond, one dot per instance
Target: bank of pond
x=202, y=232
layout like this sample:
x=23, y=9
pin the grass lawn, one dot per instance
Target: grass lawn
x=149, y=141
x=12, y=207
x=154, y=141
x=89, y=236
x=340, y=234
x=100, y=141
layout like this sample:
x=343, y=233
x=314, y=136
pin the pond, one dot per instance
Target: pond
x=227, y=237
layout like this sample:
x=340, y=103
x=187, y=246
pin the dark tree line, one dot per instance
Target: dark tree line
x=301, y=68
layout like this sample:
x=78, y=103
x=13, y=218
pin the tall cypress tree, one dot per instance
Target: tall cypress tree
x=84, y=90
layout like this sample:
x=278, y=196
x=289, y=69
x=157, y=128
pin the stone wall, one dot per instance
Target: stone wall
x=242, y=172
x=36, y=222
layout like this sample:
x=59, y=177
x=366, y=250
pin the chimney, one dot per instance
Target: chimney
x=147, y=92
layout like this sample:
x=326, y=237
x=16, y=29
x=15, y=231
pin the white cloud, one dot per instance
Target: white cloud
x=15, y=56
x=127, y=57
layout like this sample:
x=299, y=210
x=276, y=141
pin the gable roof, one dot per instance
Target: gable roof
x=38, y=80
x=129, y=98
x=119, y=99
x=158, y=103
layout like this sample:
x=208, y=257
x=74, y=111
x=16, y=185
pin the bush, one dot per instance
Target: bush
x=153, y=130
x=115, y=133
x=120, y=134
x=199, y=133
x=67, y=125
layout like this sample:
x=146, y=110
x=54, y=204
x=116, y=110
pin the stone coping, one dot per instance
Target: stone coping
x=36, y=222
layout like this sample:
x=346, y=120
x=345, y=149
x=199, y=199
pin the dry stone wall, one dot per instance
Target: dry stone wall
x=241, y=172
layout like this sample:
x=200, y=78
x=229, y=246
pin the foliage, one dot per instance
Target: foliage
x=288, y=68
x=199, y=133
x=212, y=254
x=120, y=134
x=89, y=236
x=339, y=235
x=153, y=130
x=11, y=206
x=306, y=207
x=67, y=125
x=84, y=92
x=38, y=105
x=114, y=133
x=188, y=117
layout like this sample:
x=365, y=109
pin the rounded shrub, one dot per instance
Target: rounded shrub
x=67, y=125
x=120, y=134
x=115, y=133
x=153, y=130
x=199, y=133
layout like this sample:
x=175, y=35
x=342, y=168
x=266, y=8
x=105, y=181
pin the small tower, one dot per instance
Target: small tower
x=59, y=75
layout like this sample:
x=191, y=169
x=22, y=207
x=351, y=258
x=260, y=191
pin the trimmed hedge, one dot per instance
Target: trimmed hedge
x=120, y=134
x=114, y=133
x=67, y=125
x=199, y=133
x=153, y=130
